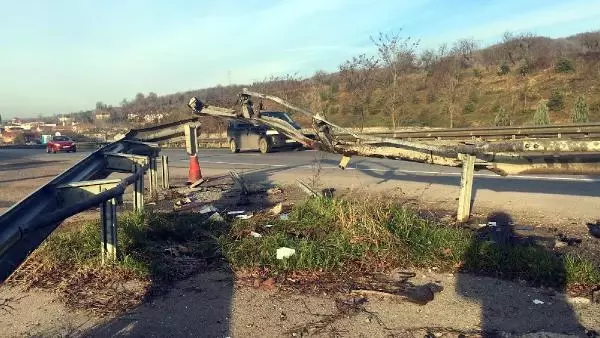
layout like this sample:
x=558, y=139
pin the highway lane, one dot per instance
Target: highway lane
x=569, y=196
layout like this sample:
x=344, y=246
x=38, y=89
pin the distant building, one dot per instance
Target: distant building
x=102, y=116
x=133, y=117
x=151, y=118
x=65, y=120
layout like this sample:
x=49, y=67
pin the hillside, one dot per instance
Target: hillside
x=456, y=85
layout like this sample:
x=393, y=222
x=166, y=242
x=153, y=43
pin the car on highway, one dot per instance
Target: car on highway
x=247, y=136
x=61, y=143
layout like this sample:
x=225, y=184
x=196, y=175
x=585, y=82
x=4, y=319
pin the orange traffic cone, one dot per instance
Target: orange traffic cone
x=195, y=174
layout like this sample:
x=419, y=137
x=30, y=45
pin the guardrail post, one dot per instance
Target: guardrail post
x=108, y=215
x=191, y=140
x=138, y=190
x=152, y=177
x=165, y=171
x=466, y=187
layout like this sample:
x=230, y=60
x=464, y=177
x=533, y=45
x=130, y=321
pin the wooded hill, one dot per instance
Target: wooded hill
x=455, y=85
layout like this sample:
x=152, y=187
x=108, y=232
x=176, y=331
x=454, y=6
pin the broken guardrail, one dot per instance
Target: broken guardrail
x=25, y=225
x=504, y=157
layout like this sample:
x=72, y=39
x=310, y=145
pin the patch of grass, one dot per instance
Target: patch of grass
x=154, y=250
x=369, y=234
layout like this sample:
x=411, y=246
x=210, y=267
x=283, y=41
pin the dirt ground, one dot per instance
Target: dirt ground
x=214, y=305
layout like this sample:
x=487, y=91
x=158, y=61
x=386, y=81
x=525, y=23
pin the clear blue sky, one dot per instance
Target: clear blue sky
x=62, y=56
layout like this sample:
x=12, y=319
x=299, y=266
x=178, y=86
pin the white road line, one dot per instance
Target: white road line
x=438, y=173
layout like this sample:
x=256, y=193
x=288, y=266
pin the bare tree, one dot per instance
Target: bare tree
x=398, y=55
x=359, y=75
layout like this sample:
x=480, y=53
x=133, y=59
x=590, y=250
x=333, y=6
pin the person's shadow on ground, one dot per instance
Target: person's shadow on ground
x=507, y=306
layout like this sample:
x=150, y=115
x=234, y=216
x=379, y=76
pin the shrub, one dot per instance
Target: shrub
x=580, y=113
x=564, y=65
x=556, y=101
x=541, y=116
x=525, y=67
x=502, y=118
x=503, y=69
x=469, y=107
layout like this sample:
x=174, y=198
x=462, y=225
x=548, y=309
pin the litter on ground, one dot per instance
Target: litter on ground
x=284, y=252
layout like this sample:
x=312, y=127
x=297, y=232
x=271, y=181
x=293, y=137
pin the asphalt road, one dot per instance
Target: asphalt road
x=567, y=196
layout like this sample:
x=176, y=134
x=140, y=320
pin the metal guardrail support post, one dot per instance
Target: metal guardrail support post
x=153, y=177
x=108, y=216
x=138, y=190
x=165, y=171
x=466, y=188
x=191, y=140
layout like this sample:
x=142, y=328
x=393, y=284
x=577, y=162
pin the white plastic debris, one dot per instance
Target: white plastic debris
x=244, y=216
x=491, y=224
x=216, y=217
x=268, y=225
x=284, y=252
x=537, y=302
x=255, y=234
x=276, y=210
x=284, y=217
x=237, y=212
x=184, y=201
x=207, y=209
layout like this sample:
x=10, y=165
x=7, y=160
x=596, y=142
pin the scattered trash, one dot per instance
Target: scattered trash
x=151, y=203
x=268, y=225
x=537, y=302
x=559, y=244
x=284, y=252
x=578, y=300
x=492, y=224
x=594, y=229
x=284, y=217
x=282, y=316
x=571, y=241
x=244, y=216
x=274, y=190
x=197, y=183
x=238, y=212
x=216, y=217
x=276, y=210
x=184, y=201
x=483, y=225
x=207, y=209
x=327, y=192
x=255, y=234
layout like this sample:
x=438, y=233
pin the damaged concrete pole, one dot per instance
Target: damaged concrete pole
x=152, y=177
x=108, y=216
x=138, y=190
x=466, y=187
x=165, y=171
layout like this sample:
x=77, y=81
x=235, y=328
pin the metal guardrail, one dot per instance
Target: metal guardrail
x=25, y=225
x=587, y=130
x=551, y=131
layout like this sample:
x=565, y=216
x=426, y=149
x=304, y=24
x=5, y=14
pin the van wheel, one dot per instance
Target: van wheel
x=264, y=145
x=233, y=147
